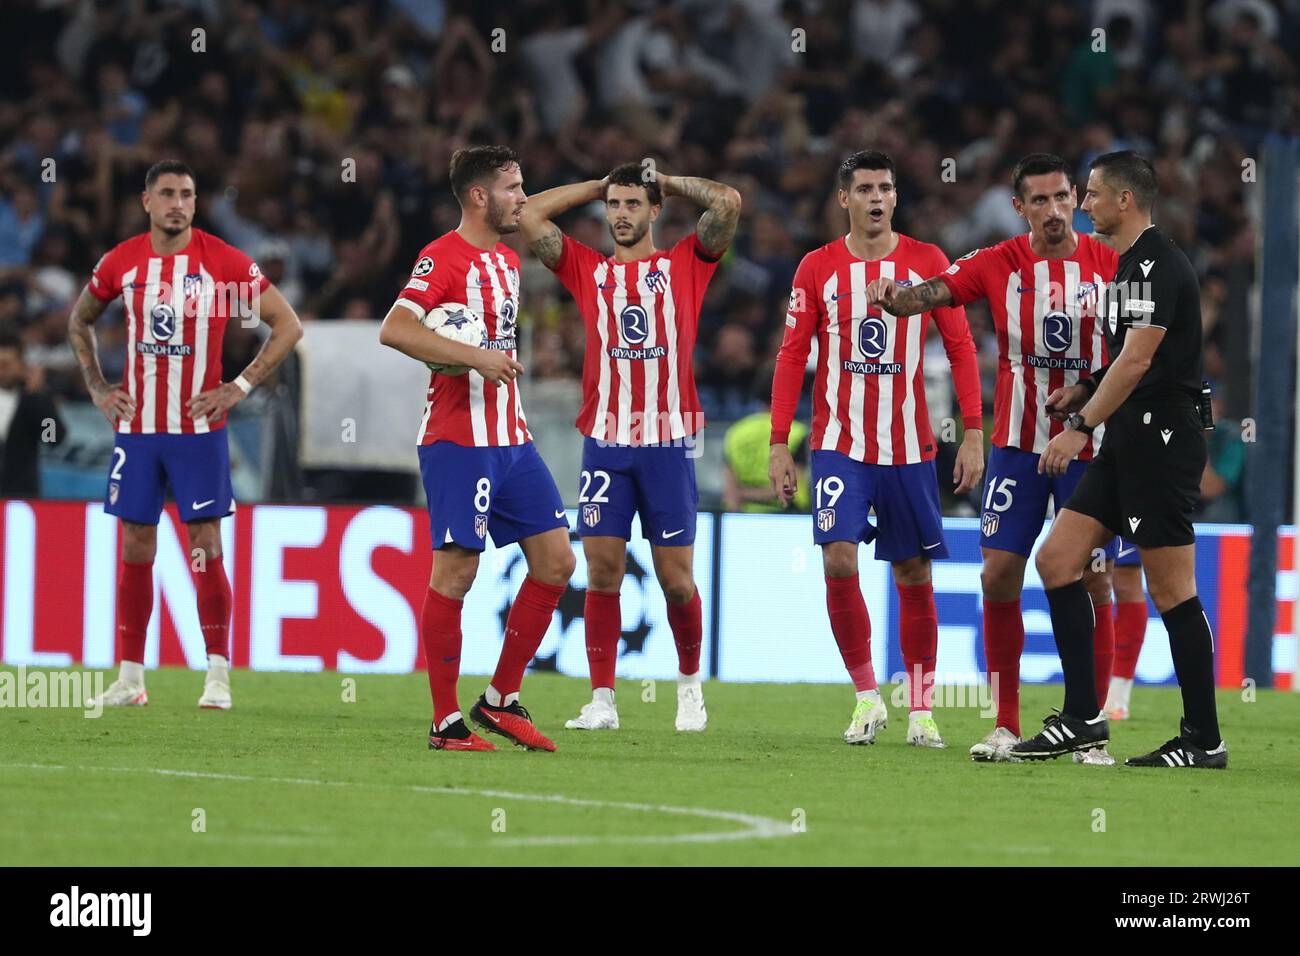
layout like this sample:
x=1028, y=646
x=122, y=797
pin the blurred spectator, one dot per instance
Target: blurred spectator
x=745, y=485
x=28, y=420
x=1223, y=483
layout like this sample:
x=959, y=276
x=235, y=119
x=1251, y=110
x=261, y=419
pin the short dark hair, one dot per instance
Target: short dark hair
x=165, y=166
x=1038, y=164
x=9, y=339
x=633, y=174
x=865, y=159
x=1125, y=169
x=474, y=165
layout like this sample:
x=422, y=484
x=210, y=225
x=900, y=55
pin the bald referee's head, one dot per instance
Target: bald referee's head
x=1121, y=189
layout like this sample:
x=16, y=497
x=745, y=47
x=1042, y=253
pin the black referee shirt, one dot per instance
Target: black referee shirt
x=1155, y=285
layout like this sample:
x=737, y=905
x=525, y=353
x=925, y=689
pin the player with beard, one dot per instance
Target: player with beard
x=181, y=287
x=481, y=472
x=1042, y=288
x=640, y=412
x=872, y=447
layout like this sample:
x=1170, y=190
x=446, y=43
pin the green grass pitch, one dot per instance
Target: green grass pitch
x=294, y=774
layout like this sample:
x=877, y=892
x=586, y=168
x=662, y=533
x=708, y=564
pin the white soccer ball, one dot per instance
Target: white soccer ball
x=460, y=323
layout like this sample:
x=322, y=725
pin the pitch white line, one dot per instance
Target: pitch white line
x=754, y=827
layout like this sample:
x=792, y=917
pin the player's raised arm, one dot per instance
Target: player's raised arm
x=717, y=227
x=931, y=294
x=113, y=400
x=403, y=331
x=268, y=306
x=544, y=236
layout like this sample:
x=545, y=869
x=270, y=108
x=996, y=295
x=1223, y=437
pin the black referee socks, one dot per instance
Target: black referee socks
x=1073, y=621
x=1192, y=646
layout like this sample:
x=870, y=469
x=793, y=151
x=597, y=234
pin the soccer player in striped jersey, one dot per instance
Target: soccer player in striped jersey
x=181, y=287
x=640, y=411
x=871, y=441
x=1042, y=288
x=481, y=472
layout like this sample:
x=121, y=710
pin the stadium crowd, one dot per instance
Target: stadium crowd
x=321, y=133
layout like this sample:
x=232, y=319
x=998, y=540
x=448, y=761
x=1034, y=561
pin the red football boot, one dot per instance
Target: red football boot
x=511, y=722
x=457, y=737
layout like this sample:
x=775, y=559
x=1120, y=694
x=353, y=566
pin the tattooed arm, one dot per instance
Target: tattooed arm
x=112, y=400
x=543, y=236
x=910, y=301
x=717, y=227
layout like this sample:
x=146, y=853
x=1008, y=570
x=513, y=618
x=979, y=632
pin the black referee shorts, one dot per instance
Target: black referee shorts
x=1145, y=482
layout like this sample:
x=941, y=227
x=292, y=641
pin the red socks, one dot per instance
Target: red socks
x=213, y=590
x=852, y=629
x=1130, y=629
x=440, y=633
x=603, y=620
x=1004, y=640
x=529, y=618
x=918, y=634
x=687, y=622
x=1103, y=649
x=134, y=607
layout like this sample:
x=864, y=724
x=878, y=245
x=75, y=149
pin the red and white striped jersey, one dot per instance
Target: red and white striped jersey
x=642, y=317
x=1045, y=314
x=177, y=307
x=467, y=409
x=869, y=393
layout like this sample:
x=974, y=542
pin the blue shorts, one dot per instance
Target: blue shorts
x=1016, y=497
x=619, y=481
x=504, y=490
x=905, y=498
x=196, y=467
x=1127, y=555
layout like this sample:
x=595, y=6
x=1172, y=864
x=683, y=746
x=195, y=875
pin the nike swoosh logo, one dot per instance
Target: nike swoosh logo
x=928, y=547
x=1124, y=553
x=488, y=714
x=840, y=295
x=559, y=514
x=673, y=534
x=1025, y=288
x=203, y=504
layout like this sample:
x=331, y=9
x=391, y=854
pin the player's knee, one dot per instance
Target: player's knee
x=1098, y=585
x=1054, y=571
x=998, y=585
x=564, y=565
x=913, y=571
x=139, y=543
x=1167, y=595
x=839, y=563
x=678, y=589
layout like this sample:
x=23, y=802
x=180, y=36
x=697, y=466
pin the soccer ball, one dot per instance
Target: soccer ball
x=460, y=323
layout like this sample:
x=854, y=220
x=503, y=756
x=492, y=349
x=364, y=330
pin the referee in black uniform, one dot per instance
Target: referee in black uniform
x=1144, y=481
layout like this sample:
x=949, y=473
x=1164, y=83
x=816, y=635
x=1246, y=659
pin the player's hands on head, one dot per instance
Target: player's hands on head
x=215, y=402
x=782, y=475
x=115, y=402
x=498, y=367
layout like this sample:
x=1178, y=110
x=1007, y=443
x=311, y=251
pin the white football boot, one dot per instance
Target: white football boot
x=600, y=714
x=868, y=717
x=996, y=747
x=1117, y=698
x=922, y=731
x=120, y=693
x=1095, y=756
x=216, y=685
x=691, y=715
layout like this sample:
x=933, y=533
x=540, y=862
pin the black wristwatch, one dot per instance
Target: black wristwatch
x=1076, y=423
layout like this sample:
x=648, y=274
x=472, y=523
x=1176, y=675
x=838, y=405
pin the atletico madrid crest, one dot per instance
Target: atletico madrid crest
x=826, y=519
x=591, y=515
x=480, y=525
x=113, y=492
x=989, y=524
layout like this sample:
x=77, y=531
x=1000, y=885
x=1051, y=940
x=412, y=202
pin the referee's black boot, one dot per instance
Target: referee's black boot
x=1183, y=752
x=1063, y=734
